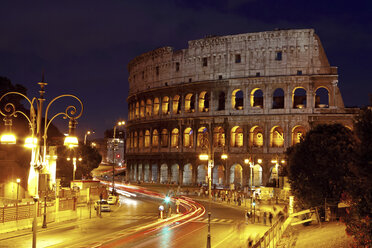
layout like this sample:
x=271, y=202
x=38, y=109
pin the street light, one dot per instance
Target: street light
x=248, y=161
x=85, y=136
x=39, y=128
x=18, y=181
x=210, y=159
x=276, y=162
x=74, y=159
x=114, y=146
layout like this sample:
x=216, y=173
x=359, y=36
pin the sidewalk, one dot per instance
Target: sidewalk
x=23, y=227
x=328, y=235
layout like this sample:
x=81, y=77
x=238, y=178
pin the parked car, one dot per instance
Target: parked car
x=105, y=207
x=112, y=199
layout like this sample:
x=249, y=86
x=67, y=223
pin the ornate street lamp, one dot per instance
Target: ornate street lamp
x=38, y=139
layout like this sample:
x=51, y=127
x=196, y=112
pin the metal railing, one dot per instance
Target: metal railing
x=272, y=236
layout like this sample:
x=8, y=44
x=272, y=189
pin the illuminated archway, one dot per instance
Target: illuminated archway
x=176, y=106
x=156, y=106
x=187, y=174
x=236, y=174
x=188, y=140
x=175, y=138
x=276, y=137
x=175, y=173
x=298, y=133
x=321, y=99
x=236, y=136
x=149, y=107
x=163, y=173
x=219, y=137
x=256, y=136
x=256, y=98
x=202, y=174
x=155, y=138
x=218, y=174
x=299, y=98
x=237, y=99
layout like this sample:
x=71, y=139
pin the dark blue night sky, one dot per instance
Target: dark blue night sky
x=85, y=46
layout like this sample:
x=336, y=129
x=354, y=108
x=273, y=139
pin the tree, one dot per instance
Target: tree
x=90, y=160
x=318, y=165
x=359, y=191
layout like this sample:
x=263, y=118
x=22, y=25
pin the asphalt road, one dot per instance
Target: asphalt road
x=128, y=226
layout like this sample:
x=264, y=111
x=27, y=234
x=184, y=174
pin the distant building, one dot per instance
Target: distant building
x=250, y=96
x=115, y=151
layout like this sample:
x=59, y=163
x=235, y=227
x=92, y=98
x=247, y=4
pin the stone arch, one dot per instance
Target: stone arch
x=298, y=133
x=147, y=138
x=204, y=101
x=154, y=173
x=257, y=175
x=188, y=138
x=218, y=175
x=142, y=109
x=256, y=98
x=140, y=172
x=236, y=137
x=140, y=140
x=135, y=141
x=164, y=173
x=156, y=106
x=200, y=136
x=190, y=103
x=202, y=172
x=299, y=97
x=274, y=175
x=165, y=105
x=164, y=138
x=276, y=137
x=187, y=174
x=321, y=98
x=146, y=176
x=175, y=172
x=149, y=107
x=176, y=106
x=236, y=175
x=237, y=99
x=219, y=137
x=256, y=136
x=155, y=138
x=278, y=98
x=137, y=109
x=175, y=138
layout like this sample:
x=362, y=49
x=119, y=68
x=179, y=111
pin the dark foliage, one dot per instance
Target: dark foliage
x=90, y=160
x=359, y=190
x=317, y=167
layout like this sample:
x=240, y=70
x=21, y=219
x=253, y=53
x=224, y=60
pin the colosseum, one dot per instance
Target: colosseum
x=241, y=99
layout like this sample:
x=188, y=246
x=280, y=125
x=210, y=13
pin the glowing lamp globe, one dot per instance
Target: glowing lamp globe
x=8, y=138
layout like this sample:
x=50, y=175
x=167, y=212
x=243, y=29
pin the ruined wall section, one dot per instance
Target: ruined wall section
x=233, y=56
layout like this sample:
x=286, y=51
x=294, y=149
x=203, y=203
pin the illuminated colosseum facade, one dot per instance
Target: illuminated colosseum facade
x=249, y=96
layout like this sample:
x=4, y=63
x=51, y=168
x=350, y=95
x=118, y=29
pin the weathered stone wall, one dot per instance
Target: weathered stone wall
x=238, y=67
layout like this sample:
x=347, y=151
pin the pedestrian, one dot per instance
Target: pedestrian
x=271, y=218
x=258, y=216
x=264, y=218
x=250, y=241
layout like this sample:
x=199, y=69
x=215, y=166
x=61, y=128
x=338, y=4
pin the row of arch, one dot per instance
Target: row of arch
x=172, y=138
x=167, y=105
x=190, y=175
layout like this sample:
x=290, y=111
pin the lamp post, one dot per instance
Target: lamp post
x=38, y=139
x=114, y=146
x=74, y=159
x=210, y=158
x=85, y=136
x=248, y=161
x=18, y=181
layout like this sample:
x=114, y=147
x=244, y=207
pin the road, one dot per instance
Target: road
x=135, y=223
